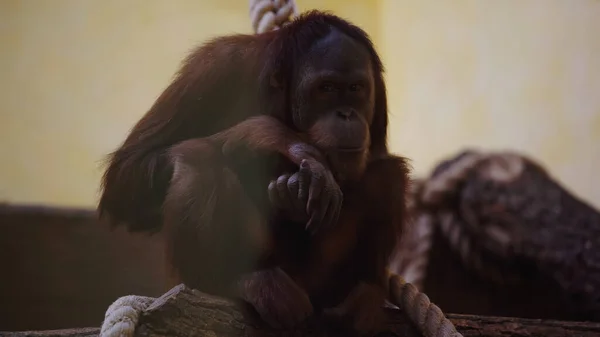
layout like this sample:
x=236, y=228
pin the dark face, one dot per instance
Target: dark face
x=333, y=101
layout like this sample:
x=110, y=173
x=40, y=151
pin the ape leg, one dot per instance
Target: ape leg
x=215, y=231
x=276, y=297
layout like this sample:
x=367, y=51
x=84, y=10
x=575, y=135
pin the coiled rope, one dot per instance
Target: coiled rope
x=430, y=209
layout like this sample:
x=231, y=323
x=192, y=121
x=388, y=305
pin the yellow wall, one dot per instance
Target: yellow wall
x=497, y=74
x=77, y=74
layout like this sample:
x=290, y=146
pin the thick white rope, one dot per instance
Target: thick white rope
x=123, y=315
x=411, y=257
x=435, y=188
x=428, y=317
x=268, y=15
x=431, y=194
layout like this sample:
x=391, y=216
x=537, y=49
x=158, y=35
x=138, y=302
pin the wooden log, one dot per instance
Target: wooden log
x=186, y=312
x=82, y=332
x=528, y=222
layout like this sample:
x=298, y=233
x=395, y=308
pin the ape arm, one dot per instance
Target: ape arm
x=197, y=103
x=213, y=222
x=265, y=133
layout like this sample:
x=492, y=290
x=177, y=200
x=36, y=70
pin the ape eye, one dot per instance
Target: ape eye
x=355, y=87
x=327, y=87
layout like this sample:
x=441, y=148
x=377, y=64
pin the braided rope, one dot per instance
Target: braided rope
x=411, y=257
x=123, y=315
x=432, y=193
x=431, y=211
x=428, y=317
x=436, y=188
x=268, y=15
x=415, y=267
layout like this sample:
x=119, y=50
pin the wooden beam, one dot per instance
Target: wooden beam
x=62, y=267
x=82, y=332
x=186, y=312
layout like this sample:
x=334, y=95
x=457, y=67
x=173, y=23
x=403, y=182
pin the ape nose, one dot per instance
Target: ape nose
x=346, y=114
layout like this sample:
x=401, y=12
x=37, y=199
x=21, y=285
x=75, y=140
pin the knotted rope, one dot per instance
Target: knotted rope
x=428, y=317
x=123, y=315
x=268, y=15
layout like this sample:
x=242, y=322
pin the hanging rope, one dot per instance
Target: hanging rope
x=268, y=15
x=410, y=261
x=432, y=207
x=411, y=258
x=428, y=317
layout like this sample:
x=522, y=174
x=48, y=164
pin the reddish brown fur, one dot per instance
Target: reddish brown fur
x=180, y=168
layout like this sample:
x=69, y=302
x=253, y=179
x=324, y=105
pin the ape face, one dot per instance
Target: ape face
x=333, y=101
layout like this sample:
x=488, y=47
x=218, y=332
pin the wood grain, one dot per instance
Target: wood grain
x=187, y=312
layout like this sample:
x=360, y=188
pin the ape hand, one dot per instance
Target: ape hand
x=322, y=194
x=283, y=194
x=310, y=195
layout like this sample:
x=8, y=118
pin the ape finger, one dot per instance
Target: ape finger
x=273, y=193
x=326, y=205
x=315, y=191
x=332, y=214
x=338, y=202
x=293, y=186
x=303, y=182
x=284, y=194
x=316, y=217
x=327, y=215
